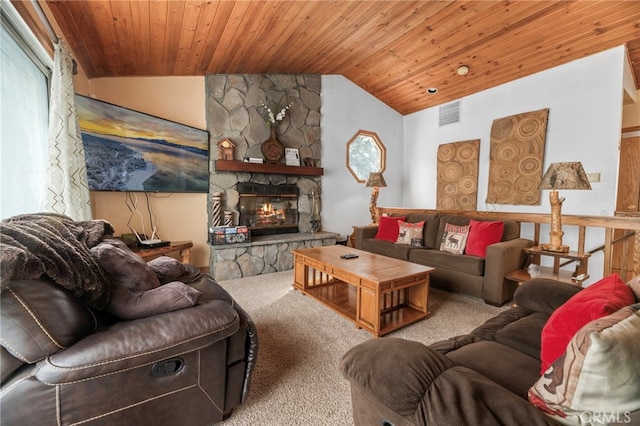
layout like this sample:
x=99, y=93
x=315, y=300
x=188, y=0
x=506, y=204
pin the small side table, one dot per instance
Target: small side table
x=184, y=247
x=532, y=268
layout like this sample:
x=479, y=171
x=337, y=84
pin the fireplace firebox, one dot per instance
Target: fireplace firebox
x=268, y=209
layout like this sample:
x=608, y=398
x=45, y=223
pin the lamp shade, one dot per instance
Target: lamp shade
x=375, y=180
x=569, y=175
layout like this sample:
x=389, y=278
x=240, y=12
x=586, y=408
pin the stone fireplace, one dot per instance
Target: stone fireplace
x=234, y=105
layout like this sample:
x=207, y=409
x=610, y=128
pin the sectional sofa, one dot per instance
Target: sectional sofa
x=562, y=355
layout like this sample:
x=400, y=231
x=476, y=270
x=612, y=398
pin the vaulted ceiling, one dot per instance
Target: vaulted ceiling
x=395, y=50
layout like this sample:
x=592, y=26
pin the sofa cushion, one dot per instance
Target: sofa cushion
x=634, y=284
x=506, y=366
x=388, y=228
x=452, y=219
x=598, y=373
x=431, y=224
x=166, y=268
x=454, y=239
x=511, y=230
x=599, y=299
x=481, y=235
x=135, y=290
x=386, y=248
x=443, y=260
x=39, y=318
x=523, y=334
x=410, y=233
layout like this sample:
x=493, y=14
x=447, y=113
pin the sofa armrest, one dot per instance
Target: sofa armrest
x=544, y=294
x=501, y=259
x=364, y=232
x=130, y=344
x=400, y=382
x=394, y=371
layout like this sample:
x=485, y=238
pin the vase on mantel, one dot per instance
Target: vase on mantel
x=272, y=149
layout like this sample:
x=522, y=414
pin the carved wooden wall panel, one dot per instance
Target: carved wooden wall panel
x=516, y=158
x=458, y=175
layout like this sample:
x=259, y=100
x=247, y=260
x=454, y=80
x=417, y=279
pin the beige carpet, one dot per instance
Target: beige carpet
x=297, y=380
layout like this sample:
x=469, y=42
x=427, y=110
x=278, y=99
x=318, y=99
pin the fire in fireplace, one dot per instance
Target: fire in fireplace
x=268, y=209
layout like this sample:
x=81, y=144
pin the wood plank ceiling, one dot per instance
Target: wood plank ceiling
x=395, y=50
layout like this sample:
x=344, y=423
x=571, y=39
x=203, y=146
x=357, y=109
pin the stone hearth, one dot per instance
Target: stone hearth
x=266, y=254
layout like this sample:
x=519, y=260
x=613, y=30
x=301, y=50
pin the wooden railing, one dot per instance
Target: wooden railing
x=621, y=244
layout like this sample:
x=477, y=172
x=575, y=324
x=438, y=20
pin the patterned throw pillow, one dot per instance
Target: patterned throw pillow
x=598, y=375
x=596, y=301
x=454, y=239
x=410, y=233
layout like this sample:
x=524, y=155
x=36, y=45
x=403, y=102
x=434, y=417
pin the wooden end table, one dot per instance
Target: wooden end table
x=532, y=269
x=184, y=247
x=378, y=293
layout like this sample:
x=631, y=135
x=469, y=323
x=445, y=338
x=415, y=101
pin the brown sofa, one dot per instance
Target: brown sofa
x=481, y=378
x=67, y=357
x=474, y=275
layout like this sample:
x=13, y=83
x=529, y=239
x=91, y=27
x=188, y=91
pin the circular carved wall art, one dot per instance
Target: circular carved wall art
x=458, y=175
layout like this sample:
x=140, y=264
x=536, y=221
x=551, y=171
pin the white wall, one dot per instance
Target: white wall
x=346, y=108
x=584, y=99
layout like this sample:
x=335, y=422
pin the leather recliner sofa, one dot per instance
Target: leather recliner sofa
x=63, y=362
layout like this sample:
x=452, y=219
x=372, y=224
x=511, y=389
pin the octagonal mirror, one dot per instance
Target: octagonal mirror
x=365, y=154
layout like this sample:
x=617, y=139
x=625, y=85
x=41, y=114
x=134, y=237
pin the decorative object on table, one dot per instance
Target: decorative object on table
x=272, y=149
x=314, y=197
x=292, y=157
x=225, y=149
x=457, y=187
x=253, y=160
x=569, y=175
x=516, y=158
x=216, y=209
x=375, y=181
x=309, y=162
x=228, y=218
x=235, y=235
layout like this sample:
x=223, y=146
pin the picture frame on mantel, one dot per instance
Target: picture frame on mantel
x=292, y=157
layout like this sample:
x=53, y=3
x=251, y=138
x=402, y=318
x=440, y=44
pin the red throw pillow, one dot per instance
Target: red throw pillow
x=388, y=228
x=481, y=235
x=596, y=301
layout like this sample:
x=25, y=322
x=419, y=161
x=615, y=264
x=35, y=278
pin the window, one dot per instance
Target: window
x=24, y=105
x=365, y=154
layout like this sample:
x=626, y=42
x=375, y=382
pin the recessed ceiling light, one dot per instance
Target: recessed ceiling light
x=463, y=70
x=432, y=90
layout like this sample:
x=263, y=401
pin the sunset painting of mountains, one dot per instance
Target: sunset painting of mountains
x=127, y=150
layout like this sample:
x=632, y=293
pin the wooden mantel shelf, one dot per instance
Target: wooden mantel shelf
x=281, y=169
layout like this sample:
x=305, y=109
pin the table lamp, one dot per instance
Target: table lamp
x=568, y=175
x=375, y=181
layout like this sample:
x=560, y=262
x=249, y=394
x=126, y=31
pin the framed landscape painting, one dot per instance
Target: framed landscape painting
x=127, y=150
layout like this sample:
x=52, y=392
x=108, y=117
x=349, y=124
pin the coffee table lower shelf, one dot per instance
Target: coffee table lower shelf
x=342, y=298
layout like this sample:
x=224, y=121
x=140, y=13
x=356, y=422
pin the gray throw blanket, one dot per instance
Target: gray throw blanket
x=54, y=245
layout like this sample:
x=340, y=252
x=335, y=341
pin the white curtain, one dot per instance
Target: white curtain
x=66, y=190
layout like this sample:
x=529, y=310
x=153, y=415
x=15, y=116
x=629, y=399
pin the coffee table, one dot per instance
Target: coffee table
x=378, y=293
